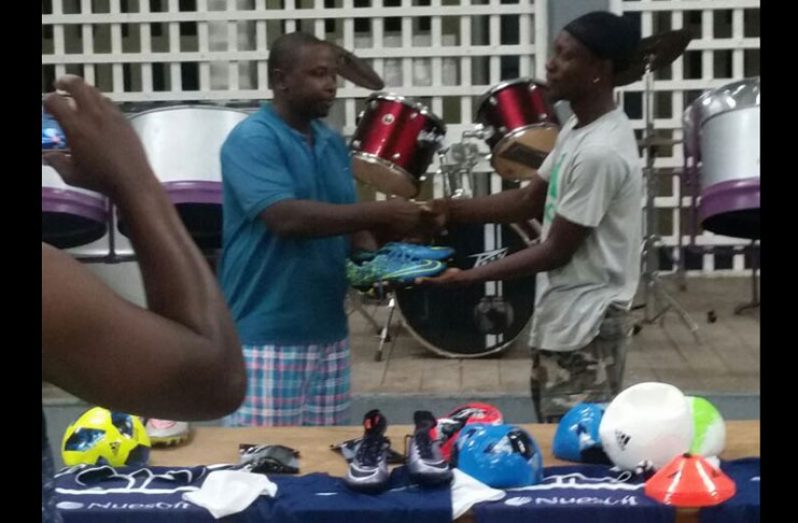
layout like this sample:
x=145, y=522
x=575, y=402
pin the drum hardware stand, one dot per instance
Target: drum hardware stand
x=653, y=292
x=681, y=267
x=385, y=333
x=754, y=303
x=458, y=160
x=112, y=257
x=452, y=171
x=688, y=178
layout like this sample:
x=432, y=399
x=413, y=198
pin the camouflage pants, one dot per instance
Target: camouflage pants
x=592, y=374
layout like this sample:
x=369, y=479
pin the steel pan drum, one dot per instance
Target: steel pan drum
x=183, y=144
x=70, y=216
x=722, y=138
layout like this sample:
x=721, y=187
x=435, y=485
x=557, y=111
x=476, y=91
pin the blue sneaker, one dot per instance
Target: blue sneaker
x=420, y=252
x=361, y=276
x=363, y=256
x=391, y=268
x=399, y=267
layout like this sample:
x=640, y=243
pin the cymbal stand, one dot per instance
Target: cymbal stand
x=656, y=299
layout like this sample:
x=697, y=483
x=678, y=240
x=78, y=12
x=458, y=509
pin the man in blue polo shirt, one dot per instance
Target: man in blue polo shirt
x=290, y=221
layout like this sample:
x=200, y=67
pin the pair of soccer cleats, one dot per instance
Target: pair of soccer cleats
x=396, y=264
x=368, y=469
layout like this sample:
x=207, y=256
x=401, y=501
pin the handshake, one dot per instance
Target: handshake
x=414, y=222
x=407, y=232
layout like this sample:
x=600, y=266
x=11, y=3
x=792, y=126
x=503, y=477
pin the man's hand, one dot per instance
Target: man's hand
x=440, y=212
x=452, y=277
x=408, y=220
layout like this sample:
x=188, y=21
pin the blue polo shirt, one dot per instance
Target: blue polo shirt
x=285, y=291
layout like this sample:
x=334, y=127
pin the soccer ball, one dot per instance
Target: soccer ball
x=648, y=423
x=709, y=429
x=102, y=437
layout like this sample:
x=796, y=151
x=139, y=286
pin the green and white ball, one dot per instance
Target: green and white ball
x=709, y=429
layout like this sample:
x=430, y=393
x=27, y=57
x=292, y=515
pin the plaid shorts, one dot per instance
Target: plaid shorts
x=295, y=385
x=591, y=374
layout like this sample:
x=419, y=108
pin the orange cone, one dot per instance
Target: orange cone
x=690, y=481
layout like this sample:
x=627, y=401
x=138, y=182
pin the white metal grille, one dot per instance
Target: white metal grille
x=445, y=53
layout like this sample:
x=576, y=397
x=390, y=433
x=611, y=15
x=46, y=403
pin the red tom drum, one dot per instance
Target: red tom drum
x=394, y=143
x=522, y=127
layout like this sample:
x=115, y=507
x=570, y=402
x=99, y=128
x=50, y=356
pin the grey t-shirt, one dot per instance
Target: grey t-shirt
x=595, y=179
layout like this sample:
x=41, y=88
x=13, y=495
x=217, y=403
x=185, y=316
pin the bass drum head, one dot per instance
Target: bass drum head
x=478, y=320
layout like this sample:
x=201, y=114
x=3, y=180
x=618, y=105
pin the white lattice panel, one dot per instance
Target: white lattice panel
x=446, y=53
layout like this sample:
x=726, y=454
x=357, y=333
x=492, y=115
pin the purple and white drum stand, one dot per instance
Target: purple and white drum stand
x=722, y=154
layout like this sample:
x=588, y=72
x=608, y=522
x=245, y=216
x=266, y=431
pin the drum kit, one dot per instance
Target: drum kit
x=395, y=142
x=392, y=148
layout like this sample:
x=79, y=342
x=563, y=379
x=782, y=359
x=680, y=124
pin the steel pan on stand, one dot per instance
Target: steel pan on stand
x=723, y=147
x=183, y=145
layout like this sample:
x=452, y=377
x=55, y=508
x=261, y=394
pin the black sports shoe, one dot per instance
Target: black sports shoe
x=368, y=471
x=425, y=461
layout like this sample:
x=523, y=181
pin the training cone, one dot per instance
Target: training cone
x=690, y=481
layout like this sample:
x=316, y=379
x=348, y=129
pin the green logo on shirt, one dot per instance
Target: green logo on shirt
x=550, y=208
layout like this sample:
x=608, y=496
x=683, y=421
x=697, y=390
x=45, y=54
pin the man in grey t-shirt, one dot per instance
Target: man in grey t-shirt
x=588, y=193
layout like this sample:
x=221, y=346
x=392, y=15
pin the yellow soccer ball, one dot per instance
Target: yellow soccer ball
x=102, y=437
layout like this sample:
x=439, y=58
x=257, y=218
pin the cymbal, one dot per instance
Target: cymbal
x=655, y=51
x=356, y=70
